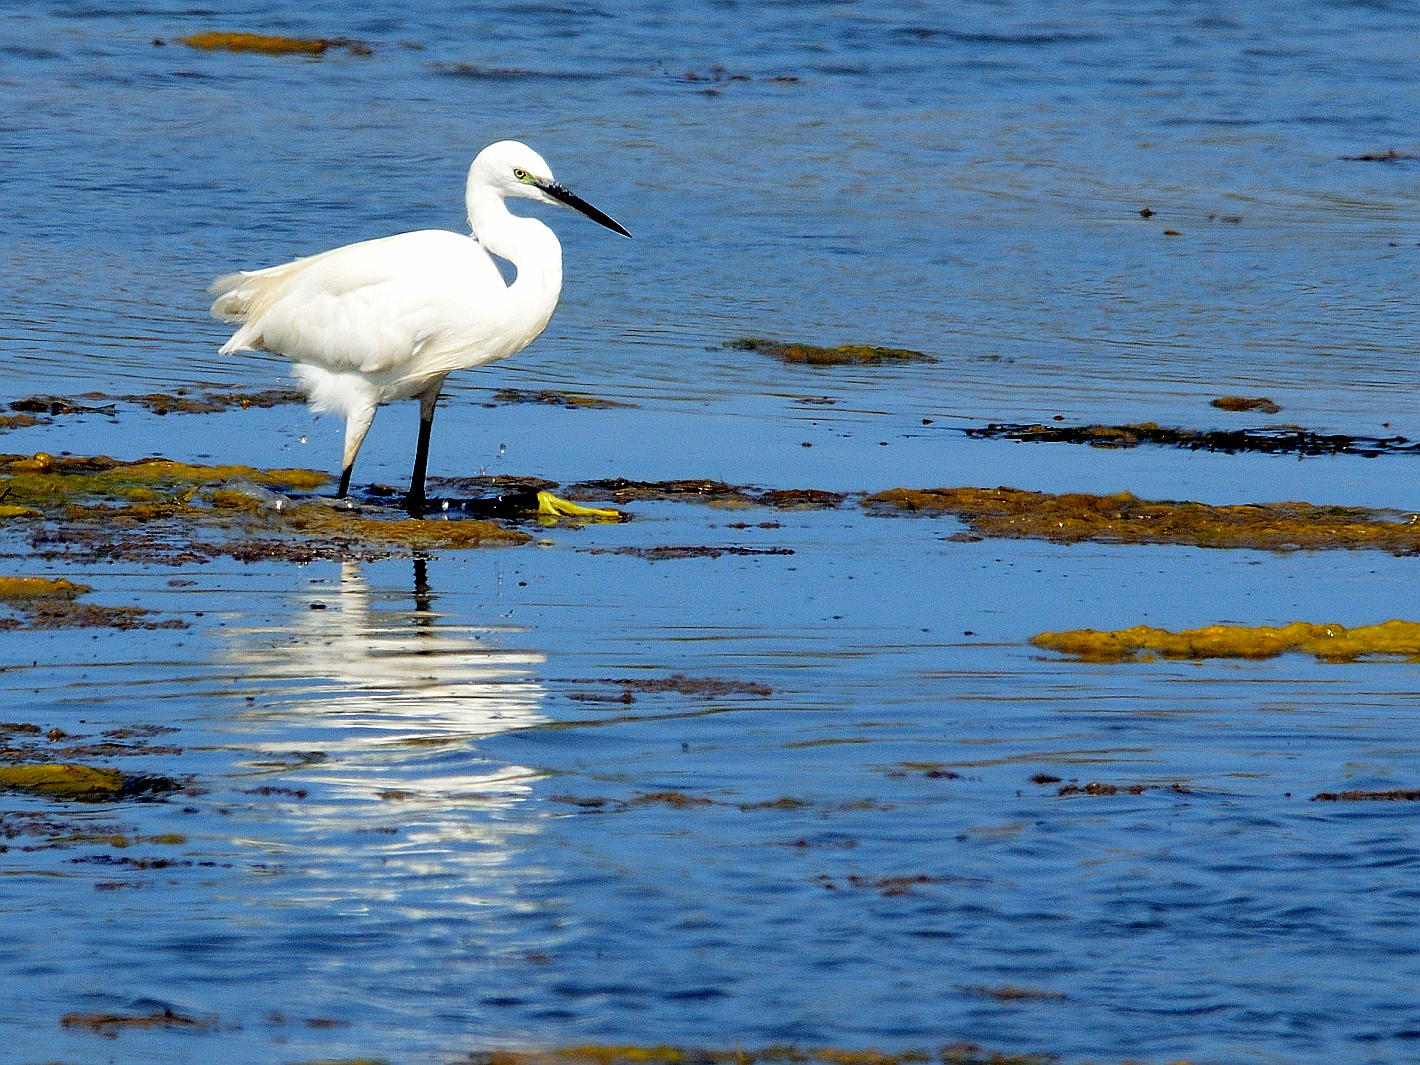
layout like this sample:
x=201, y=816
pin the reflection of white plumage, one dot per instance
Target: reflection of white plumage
x=391, y=318
x=384, y=686
x=395, y=702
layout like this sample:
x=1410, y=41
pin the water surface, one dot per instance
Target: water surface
x=425, y=817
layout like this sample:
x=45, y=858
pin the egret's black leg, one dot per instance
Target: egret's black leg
x=344, y=481
x=414, y=502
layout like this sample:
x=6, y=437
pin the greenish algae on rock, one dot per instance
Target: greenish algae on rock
x=813, y=355
x=1329, y=643
x=1121, y=518
x=81, y=783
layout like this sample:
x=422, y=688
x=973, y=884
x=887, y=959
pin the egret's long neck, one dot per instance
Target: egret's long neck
x=530, y=246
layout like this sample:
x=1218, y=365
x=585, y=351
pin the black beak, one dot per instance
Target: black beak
x=572, y=200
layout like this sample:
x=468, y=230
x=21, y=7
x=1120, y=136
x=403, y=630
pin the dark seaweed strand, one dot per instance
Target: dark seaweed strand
x=1288, y=441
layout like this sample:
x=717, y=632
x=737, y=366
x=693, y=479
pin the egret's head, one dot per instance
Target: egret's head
x=511, y=168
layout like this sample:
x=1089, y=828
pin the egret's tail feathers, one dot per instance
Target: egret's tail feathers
x=234, y=294
x=243, y=297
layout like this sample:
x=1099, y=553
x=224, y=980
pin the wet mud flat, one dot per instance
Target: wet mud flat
x=720, y=726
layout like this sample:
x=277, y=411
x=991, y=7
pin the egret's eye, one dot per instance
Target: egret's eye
x=520, y=173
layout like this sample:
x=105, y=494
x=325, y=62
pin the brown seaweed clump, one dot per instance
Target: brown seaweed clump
x=155, y=510
x=181, y=401
x=1013, y=993
x=269, y=45
x=1390, y=155
x=110, y=1024
x=554, y=398
x=17, y=421
x=696, y=687
x=1077, y=518
x=621, y=491
x=845, y=355
x=1245, y=403
x=1273, y=440
x=716, y=493
x=678, y=683
x=214, y=402
x=1329, y=643
x=666, y=552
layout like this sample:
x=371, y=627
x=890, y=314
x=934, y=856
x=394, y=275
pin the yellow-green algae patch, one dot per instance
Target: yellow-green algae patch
x=595, y=1054
x=316, y=520
x=43, y=479
x=1077, y=517
x=813, y=355
x=156, y=510
x=1329, y=643
x=42, y=603
x=27, y=588
x=77, y=782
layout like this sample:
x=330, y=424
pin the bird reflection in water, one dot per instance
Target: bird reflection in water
x=365, y=797
x=392, y=699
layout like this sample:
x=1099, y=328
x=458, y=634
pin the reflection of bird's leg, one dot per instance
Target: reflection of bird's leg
x=414, y=502
x=423, y=598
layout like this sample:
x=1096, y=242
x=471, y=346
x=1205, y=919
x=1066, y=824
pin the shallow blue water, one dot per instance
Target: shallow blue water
x=966, y=181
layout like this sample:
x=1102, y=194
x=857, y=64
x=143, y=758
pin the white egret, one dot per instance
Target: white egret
x=390, y=318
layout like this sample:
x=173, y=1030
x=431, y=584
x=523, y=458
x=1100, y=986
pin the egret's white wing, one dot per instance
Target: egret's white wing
x=367, y=307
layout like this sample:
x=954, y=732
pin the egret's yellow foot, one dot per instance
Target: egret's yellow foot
x=550, y=508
